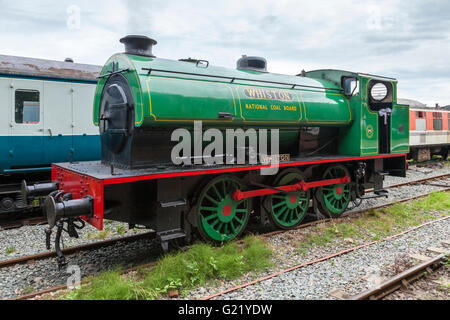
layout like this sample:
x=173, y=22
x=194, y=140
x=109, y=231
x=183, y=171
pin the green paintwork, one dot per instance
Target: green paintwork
x=286, y=213
x=221, y=218
x=335, y=198
x=400, y=129
x=369, y=123
x=164, y=99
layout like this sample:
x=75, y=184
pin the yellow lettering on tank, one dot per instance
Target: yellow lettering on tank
x=254, y=106
x=267, y=94
x=290, y=108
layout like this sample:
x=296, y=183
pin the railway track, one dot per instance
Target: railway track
x=92, y=246
x=415, y=182
x=67, y=251
x=7, y=225
x=403, y=279
x=329, y=257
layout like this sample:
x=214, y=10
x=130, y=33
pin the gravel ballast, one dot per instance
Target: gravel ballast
x=43, y=274
x=30, y=240
x=350, y=273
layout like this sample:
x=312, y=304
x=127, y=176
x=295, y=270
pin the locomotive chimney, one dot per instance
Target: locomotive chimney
x=138, y=45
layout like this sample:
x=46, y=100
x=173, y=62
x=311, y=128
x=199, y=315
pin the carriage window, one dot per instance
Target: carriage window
x=27, y=106
x=437, y=121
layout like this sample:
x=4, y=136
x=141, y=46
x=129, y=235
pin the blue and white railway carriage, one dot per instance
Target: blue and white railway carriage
x=45, y=109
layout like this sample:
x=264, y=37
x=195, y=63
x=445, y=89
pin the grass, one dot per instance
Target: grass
x=377, y=224
x=446, y=262
x=27, y=290
x=120, y=230
x=10, y=250
x=179, y=271
x=434, y=159
x=100, y=234
x=446, y=265
x=108, y=231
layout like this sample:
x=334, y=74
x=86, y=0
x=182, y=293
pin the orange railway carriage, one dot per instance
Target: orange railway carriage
x=429, y=133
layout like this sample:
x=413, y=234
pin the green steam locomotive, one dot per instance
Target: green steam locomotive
x=338, y=133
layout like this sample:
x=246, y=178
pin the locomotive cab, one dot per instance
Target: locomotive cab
x=383, y=125
x=380, y=101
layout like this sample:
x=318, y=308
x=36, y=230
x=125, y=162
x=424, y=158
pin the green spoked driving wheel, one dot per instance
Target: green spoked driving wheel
x=221, y=218
x=334, y=199
x=288, y=209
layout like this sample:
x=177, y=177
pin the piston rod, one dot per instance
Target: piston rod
x=239, y=195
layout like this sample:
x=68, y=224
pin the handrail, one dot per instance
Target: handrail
x=240, y=79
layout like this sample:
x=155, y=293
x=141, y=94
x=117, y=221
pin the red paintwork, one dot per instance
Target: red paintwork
x=429, y=117
x=293, y=198
x=239, y=195
x=429, y=120
x=412, y=120
x=226, y=211
x=81, y=185
x=234, y=169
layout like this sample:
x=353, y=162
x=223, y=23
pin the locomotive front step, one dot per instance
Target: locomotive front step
x=377, y=194
x=382, y=193
x=175, y=203
x=170, y=235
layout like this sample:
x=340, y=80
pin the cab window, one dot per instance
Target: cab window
x=350, y=86
x=27, y=107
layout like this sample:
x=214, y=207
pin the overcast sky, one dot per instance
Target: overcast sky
x=408, y=40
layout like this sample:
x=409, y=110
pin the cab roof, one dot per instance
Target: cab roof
x=355, y=74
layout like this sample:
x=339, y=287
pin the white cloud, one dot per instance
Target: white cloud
x=407, y=40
